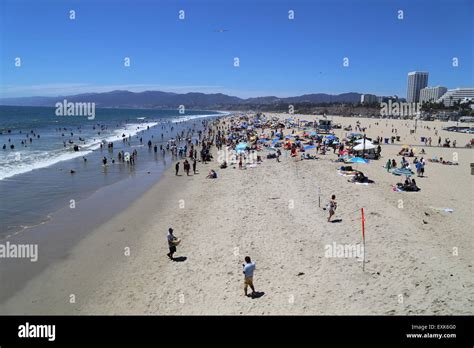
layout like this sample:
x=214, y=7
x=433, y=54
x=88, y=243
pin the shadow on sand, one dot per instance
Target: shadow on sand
x=180, y=259
x=335, y=221
x=257, y=294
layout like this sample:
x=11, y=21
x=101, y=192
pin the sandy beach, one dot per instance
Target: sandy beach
x=418, y=257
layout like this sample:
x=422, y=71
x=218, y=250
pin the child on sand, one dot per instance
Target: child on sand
x=332, y=206
x=171, y=243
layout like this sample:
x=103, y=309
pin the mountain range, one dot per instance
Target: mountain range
x=163, y=100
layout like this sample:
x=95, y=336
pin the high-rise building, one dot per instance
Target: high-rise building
x=368, y=98
x=452, y=96
x=432, y=94
x=416, y=81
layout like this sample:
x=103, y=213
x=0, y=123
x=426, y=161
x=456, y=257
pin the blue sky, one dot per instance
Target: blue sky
x=278, y=56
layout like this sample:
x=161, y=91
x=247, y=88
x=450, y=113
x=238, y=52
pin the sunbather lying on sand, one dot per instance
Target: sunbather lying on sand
x=440, y=160
x=408, y=186
x=359, y=177
x=307, y=156
x=346, y=169
x=406, y=152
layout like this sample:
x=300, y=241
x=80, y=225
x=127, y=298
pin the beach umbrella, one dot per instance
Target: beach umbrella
x=330, y=137
x=358, y=141
x=357, y=160
x=241, y=147
x=361, y=147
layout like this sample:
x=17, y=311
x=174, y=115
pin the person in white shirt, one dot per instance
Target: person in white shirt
x=249, y=268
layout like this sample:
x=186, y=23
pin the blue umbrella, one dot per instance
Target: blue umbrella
x=358, y=160
x=241, y=147
x=330, y=136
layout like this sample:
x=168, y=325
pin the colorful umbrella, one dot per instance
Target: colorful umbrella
x=357, y=160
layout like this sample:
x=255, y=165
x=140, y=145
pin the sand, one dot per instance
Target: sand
x=270, y=212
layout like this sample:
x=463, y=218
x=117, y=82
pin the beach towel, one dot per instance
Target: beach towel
x=446, y=210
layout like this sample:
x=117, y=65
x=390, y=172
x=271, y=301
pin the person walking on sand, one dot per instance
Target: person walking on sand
x=194, y=165
x=171, y=243
x=187, y=167
x=332, y=206
x=177, y=168
x=388, y=165
x=249, y=268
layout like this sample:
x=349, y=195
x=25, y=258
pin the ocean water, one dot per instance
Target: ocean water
x=35, y=178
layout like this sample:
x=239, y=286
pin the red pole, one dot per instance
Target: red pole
x=363, y=237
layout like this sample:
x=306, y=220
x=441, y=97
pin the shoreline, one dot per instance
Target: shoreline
x=45, y=190
x=60, y=230
x=249, y=210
